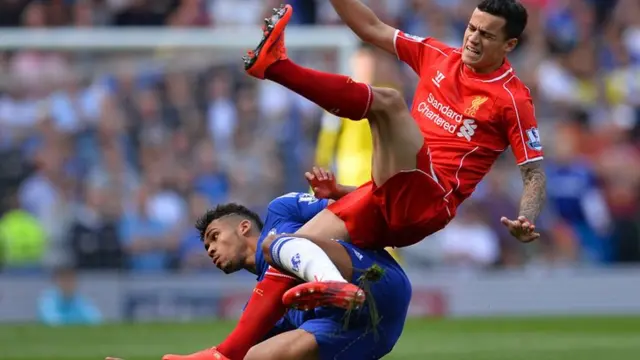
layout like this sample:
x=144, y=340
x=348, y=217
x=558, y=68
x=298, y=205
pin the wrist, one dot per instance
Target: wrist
x=340, y=191
x=527, y=217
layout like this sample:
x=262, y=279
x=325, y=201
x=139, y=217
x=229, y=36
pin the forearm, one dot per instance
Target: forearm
x=534, y=193
x=357, y=16
x=365, y=23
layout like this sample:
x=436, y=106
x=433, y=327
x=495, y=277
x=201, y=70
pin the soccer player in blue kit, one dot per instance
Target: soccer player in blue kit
x=232, y=236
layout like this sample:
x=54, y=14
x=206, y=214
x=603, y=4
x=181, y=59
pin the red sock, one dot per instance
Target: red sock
x=262, y=312
x=338, y=94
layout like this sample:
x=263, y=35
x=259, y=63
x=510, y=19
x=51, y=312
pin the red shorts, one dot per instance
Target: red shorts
x=408, y=207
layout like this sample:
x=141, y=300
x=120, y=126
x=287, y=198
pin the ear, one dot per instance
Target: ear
x=510, y=45
x=245, y=227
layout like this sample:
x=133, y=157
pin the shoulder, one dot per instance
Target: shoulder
x=514, y=96
x=515, y=91
x=283, y=200
x=285, y=203
x=429, y=42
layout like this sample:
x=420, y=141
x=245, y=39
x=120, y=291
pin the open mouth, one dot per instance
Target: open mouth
x=472, y=50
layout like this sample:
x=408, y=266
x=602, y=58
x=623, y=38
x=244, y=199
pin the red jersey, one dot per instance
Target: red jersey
x=467, y=119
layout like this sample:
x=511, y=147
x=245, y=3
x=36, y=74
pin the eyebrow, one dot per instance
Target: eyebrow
x=484, y=32
x=208, y=233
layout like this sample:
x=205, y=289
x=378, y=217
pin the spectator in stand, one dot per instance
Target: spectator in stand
x=64, y=304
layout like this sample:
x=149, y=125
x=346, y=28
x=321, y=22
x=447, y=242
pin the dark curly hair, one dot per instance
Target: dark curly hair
x=225, y=210
x=512, y=11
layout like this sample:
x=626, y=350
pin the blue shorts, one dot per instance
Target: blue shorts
x=360, y=340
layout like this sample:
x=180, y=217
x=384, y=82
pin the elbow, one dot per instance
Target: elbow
x=368, y=36
x=380, y=35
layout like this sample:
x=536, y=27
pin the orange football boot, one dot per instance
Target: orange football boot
x=271, y=48
x=206, y=354
x=311, y=295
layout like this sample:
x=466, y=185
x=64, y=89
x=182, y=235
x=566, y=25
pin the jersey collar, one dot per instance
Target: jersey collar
x=498, y=74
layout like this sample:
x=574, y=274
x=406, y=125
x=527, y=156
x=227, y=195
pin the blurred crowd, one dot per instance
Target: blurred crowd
x=109, y=157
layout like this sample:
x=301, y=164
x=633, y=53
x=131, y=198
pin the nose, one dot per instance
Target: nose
x=474, y=38
x=211, y=251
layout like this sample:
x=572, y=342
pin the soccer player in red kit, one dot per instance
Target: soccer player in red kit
x=468, y=108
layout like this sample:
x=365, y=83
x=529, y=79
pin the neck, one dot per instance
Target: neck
x=485, y=70
x=250, y=258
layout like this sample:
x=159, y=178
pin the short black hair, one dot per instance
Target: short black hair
x=512, y=11
x=225, y=210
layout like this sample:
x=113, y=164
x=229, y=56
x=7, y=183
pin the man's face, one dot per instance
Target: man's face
x=226, y=242
x=485, y=44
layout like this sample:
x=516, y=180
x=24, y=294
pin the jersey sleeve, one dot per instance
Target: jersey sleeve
x=298, y=207
x=522, y=130
x=419, y=52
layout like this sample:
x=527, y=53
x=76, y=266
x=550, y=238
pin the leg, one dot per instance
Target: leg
x=261, y=314
x=325, y=338
x=372, y=332
x=261, y=318
x=325, y=225
x=337, y=94
x=396, y=136
x=310, y=269
x=292, y=345
x=316, y=262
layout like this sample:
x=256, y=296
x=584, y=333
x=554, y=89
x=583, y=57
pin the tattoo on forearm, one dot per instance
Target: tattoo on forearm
x=535, y=190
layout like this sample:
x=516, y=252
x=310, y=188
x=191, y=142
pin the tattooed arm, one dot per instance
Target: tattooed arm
x=531, y=202
x=535, y=190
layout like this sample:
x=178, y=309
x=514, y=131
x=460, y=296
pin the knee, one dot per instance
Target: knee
x=265, y=247
x=387, y=100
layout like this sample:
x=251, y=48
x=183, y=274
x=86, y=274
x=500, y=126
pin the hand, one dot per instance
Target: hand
x=112, y=358
x=323, y=183
x=522, y=229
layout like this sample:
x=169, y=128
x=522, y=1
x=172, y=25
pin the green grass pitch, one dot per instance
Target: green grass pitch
x=597, y=338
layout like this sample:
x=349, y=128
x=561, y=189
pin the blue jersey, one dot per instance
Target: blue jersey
x=569, y=185
x=391, y=294
x=574, y=195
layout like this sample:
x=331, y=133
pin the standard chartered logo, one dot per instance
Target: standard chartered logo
x=441, y=115
x=443, y=109
x=467, y=129
x=436, y=117
x=447, y=118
